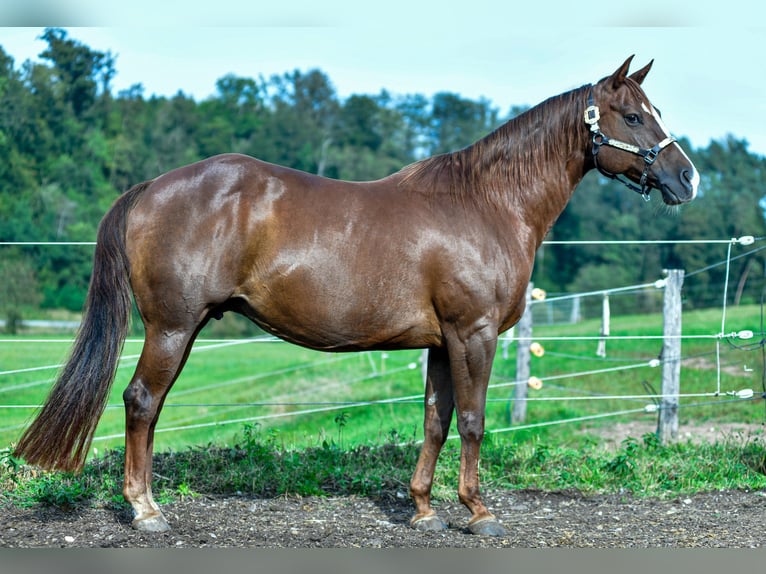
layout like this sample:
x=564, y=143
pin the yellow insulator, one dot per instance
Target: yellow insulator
x=535, y=383
x=538, y=294
x=537, y=349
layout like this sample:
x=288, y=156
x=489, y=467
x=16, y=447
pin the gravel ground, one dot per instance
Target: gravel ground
x=533, y=520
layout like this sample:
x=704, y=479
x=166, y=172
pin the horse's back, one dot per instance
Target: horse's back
x=325, y=263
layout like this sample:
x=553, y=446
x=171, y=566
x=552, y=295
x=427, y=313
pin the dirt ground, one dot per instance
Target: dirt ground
x=533, y=519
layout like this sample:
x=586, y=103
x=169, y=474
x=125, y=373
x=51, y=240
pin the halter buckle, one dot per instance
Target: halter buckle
x=651, y=155
x=592, y=116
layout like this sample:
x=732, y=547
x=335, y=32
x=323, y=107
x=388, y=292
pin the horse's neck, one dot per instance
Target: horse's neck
x=522, y=175
x=537, y=161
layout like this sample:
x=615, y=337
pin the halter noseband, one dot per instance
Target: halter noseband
x=591, y=118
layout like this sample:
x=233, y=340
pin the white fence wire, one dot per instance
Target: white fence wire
x=559, y=309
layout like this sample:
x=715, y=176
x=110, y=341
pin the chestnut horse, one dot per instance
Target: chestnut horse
x=436, y=256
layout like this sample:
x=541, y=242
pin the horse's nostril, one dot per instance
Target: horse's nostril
x=690, y=181
x=686, y=178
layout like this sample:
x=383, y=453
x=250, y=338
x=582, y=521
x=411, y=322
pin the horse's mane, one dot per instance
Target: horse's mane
x=508, y=160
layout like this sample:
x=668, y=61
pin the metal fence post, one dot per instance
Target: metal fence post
x=667, y=426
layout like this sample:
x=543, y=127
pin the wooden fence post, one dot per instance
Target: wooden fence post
x=667, y=426
x=523, y=357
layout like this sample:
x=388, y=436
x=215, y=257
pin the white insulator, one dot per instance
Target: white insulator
x=745, y=394
x=651, y=409
x=746, y=240
x=654, y=363
x=660, y=283
x=745, y=334
x=412, y=366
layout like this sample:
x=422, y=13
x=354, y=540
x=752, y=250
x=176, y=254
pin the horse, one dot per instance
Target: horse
x=435, y=256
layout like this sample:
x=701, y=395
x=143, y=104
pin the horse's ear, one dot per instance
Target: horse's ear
x=618, y=78
x=639, y=75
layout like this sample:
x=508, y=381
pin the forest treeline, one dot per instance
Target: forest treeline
x=70, y=146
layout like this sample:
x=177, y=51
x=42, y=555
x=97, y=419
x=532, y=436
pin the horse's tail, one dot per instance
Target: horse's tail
x=61, y=434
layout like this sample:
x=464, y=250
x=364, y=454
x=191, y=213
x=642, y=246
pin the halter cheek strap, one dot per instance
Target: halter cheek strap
x=592, y=116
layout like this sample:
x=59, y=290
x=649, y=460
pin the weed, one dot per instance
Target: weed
x=8, y=462
x=341, y=420
x=60, y=490
x=651, y=442
x=540, y=455
x=185, y=491
x=624, y=464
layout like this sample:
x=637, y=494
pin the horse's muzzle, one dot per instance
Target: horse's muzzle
x=681, y=191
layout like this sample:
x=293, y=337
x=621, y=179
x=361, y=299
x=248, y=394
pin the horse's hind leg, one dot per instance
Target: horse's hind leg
x=438, y=416
x=162, y=359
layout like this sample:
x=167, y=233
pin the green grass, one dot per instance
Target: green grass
x=258, y=465
x=286, y=389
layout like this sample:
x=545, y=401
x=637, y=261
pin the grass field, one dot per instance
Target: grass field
x=305, y=398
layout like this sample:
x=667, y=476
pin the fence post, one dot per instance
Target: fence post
x=575, y=315
x=667, y=426
x=605, y=320
x=523, y=357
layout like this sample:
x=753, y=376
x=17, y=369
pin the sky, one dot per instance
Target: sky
x=708, y=76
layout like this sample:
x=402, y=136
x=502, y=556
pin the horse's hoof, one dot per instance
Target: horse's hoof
x=486, y=527
x=155, y=523
x=431, y=523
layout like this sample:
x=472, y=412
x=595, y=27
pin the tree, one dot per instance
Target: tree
x=370, y=139
x=81, y=74
x=300, y=128
x=416, y=123
x=229, y=121
x=18, y=289
x=457, y=122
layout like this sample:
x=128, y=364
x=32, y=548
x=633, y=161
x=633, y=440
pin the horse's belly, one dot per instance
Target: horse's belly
x=332, y=312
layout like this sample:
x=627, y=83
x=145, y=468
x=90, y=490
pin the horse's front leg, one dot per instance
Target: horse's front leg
x=439, y=405
x=471, y=362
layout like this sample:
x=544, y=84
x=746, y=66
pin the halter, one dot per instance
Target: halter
x=591, y=118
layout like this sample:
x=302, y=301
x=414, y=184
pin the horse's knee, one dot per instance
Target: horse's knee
x=470, y=425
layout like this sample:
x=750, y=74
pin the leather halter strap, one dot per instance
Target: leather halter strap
x=599, y=139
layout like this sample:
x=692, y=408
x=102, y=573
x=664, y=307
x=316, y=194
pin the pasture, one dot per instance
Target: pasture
x=301, y=398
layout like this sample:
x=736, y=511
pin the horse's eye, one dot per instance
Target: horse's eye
x=632, y=119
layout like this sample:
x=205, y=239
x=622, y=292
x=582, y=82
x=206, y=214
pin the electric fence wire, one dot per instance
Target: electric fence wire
x=323, y=406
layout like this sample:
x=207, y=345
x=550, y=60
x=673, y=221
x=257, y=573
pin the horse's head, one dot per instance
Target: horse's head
x=629, y=139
